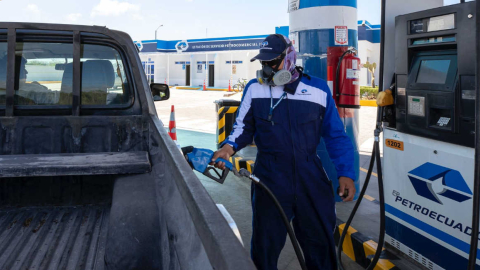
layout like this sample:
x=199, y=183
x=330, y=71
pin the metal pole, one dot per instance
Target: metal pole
x=472, y=260
x=156, y=31
x=168, y=69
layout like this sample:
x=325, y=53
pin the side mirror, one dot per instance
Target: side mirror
x=160, y=91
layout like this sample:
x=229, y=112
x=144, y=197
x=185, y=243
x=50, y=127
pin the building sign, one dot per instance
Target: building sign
x=234, y=69
x=293, y=5
x=227, y=45
x=199, y=68
x=341, y=35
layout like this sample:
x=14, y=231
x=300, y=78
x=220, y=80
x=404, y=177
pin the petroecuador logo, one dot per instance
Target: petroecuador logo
x=182, y=46
x=138, y=43
x=305, y=92
x=264, y=44
x=454, y=186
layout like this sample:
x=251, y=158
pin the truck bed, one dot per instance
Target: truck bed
x=53, y=237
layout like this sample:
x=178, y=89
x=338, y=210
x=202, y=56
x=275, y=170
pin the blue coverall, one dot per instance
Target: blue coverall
x=288, y=164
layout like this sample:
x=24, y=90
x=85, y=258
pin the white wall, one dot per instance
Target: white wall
x=368, y=50
x=175, y=74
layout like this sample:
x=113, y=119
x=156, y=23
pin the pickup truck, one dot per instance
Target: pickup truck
x=89, y=178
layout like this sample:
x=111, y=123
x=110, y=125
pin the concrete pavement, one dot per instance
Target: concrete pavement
x=234, y=194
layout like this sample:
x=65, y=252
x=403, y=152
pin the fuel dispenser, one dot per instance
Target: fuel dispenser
x=430, y=136
x=427, y=182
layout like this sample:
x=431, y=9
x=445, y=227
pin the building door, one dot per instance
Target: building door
x=187, y=75
x=211, y=75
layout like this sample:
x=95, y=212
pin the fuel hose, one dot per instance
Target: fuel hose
x=375, y=158
x=290, y=232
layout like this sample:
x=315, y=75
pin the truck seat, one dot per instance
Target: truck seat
x=97, y=77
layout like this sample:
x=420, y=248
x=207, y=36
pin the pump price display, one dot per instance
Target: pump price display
x=440, y=23
x=397, y=145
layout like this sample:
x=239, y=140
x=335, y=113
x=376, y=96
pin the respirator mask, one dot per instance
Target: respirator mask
x=270, y=75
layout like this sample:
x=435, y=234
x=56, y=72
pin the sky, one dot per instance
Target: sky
x=181, y=19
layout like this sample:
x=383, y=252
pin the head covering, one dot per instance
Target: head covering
x=290, y=61
x=273, y=47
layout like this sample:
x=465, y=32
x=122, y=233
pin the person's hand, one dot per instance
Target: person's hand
x=346, y=187
x=225, y=152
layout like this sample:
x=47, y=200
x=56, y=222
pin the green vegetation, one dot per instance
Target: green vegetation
x=44, y=63
x=368, y=93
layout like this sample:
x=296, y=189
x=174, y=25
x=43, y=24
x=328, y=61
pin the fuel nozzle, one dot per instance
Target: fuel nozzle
x=246, y=173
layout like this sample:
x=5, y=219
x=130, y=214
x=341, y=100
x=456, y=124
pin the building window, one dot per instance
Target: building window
x=150, y=71
x=44, y=80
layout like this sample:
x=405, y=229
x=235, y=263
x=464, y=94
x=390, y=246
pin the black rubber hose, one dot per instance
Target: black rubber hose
x=355, y=208
x=381, y=240
x=472, y=259
x=290, y=232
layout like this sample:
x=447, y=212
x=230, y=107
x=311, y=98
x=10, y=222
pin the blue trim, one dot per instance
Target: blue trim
x=436, y=253
x=443, y=236
x=316, y=42
x=282, y=30
x=170, y=44
x=323, y=3
x=227, y=38
x=368, y=24
x=371, y=35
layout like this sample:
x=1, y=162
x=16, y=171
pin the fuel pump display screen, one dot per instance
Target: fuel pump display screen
x=433, y=71
x=440, y=23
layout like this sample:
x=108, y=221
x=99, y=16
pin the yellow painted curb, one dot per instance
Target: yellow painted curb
x=368, y=103
x=370, y=248
x=347, y=244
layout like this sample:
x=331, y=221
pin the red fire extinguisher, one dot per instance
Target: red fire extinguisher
x=347, y=90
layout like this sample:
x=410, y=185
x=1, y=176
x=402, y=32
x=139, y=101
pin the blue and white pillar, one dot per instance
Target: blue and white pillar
x=321, y=31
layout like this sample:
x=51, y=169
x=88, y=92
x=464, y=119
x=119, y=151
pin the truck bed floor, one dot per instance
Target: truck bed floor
x=53, y=237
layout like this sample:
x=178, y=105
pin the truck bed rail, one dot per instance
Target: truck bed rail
x=74, y=164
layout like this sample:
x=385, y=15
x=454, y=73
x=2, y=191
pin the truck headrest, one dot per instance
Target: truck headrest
x=97, y=75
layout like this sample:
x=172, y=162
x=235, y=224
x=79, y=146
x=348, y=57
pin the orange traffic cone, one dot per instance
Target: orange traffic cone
x=204, y=86
x=172, y=127
x=229, y=86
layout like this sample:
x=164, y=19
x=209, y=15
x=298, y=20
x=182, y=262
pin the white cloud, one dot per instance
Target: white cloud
x=138, y=17
x=73, y=17
x=33, y=8
x=113, y=8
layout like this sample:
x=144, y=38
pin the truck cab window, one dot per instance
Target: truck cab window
x=41, y=73
x=3, y=72
x=104, y=81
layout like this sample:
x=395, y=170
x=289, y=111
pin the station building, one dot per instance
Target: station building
x=218, y=62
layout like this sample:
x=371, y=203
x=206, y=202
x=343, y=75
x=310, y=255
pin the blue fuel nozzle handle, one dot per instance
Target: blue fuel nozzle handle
x=228, y=164
x=200, y=159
